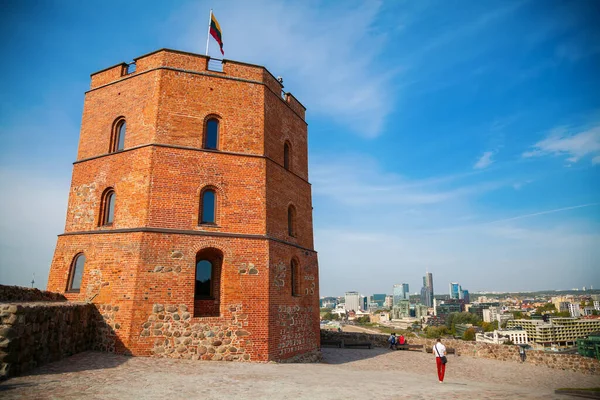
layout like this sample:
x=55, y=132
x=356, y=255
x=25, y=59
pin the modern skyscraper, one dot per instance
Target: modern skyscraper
x=454, y=290
x=427, y=290
x=401, y=292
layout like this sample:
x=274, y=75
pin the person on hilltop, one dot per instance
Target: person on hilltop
x=522, y=353
x=401, y=340
x=392, y=341
x=439, y=350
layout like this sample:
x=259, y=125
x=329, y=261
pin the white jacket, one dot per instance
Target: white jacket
x=439, y=348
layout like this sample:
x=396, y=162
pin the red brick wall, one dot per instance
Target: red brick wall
x=141, y=269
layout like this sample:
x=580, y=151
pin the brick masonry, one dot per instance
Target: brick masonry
x=146, y=259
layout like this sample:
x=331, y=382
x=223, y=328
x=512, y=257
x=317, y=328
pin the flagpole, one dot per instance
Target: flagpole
x=208, y=33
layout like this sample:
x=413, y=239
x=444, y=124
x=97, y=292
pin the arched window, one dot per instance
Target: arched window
x=286, y=156
x=294, y=275
x=107, y=207
x=208, y=203
x=118, y=137
x=207, y=285
x=204, y=278
x=76, y=273
x=291, y=220
x=211, y=139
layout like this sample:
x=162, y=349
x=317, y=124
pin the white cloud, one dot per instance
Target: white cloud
x=358, y=180
x=484, y=161
x=569, y=143
x=325, y=55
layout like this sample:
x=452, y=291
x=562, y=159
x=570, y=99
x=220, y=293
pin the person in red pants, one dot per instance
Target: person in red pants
x=439, y=350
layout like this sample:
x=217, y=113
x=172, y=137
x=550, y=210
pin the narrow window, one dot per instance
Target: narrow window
x=107, y=212
x=291, y=221
x=286, y=156
x=76, y=273
x=118, y=141
x=204, y=271
x=294, y=277
x=207, y=207
x=212, y=134
x=207, y=285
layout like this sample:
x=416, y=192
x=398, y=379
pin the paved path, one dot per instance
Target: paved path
x=344, y=374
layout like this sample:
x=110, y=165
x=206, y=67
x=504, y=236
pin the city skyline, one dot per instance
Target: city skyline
x=460, y=140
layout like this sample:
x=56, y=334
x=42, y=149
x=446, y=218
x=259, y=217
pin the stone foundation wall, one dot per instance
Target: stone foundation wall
x=571, y=362
x=176, y=334
x=19, y=294
x=33, y=334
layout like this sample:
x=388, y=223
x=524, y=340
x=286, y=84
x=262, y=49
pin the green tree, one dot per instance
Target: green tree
x=434, y=332
x=546, y=308
x=328, y=316
x=489, y=326
x=461, y=318
x=469, y=334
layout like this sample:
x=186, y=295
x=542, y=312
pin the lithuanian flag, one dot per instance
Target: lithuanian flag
x=215, y=31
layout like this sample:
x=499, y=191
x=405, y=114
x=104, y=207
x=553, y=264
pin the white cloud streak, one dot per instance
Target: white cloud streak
x=358, y=180
x=484, y=161
x=544, y=212
x=569, y=143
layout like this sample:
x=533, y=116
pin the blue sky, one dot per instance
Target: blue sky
x=456, y=137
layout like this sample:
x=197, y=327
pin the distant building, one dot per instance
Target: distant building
x=427, y=295
x=574, y=310
x=421, y=310
x=444, y=309
x=463, y=294
x=328, y=302
x=562, y=306
x=516, y=336
x=352, y=302
x=400, y=292
x=478, y=308
x=590, y=346
x=490, y=314
x=401, y=310
x=454, y=290
x=389, y=301
x=381, y=317
x=364, y=303
x=427, y=290
x=558, y=331
x=378, y=299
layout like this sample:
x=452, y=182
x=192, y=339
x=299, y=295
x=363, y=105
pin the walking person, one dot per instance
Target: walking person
x=522, y=353
x=439, y=350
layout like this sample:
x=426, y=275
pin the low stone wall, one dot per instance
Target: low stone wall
x=571, y=362
x=33, y=334
x=16, y=294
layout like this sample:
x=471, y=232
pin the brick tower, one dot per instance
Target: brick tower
x=189, y=222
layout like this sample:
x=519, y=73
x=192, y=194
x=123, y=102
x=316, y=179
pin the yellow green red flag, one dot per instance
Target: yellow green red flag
x=215, y=31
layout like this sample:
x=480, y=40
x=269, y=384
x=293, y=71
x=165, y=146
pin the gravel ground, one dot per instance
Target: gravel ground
x=343, y=374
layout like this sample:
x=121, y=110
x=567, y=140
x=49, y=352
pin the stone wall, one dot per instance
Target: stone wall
x=33, y=334
x=571, y=362
x=18, y=294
